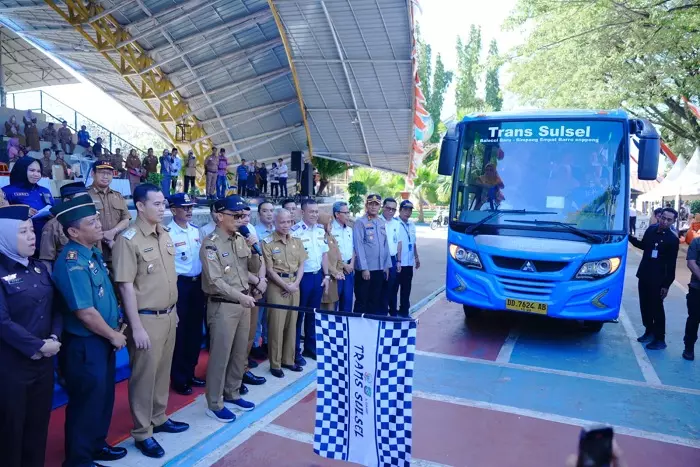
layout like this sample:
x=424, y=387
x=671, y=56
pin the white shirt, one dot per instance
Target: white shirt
x=633, y=212
x=314, y=240
x=175, y=166
x=344, y=237
x=407, y=237
x=263, y=231
x=282, y=171
x=187, y=244
x=392, y=234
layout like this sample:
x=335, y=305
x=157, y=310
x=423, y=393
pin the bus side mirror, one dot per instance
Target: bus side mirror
x=448, y=151
x=649, y=149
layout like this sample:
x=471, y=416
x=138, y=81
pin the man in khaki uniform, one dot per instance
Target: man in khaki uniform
x=150, y=163
x=284, y=258
x=211, y=168
x=53, y=239
x=190, y=172
x=118, y=162
x=114, y=215
x=227, y=281
x=144, y=268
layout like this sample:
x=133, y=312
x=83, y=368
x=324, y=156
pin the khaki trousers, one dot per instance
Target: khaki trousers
x=229, y=324
x=281, y=327
x=150, y=373
x=211, y=183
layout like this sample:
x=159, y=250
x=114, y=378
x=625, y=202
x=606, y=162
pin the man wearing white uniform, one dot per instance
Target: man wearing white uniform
x=282, y=174
x=315, y=277
x=343, y=235
x=191, y=304
x=391, y=286
x=407, y=256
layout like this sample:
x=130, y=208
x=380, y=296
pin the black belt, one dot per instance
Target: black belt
x=285, y=275
x=189, y=278
x=223, y=300
x=156, y=312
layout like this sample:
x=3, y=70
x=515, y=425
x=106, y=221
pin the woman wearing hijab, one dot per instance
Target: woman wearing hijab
x=31, y=132
x=24, y=188
x=29, y=330
x=12, y=130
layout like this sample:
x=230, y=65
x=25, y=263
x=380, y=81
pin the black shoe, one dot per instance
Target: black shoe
x=197, y=383
x=109, y=453
x=295, y=367
x=277, y=373
x=257, y=352
x=299, y=360
x=689, y=353
x=252, y=363
x=250, y=378
x=171, y=426
x=243, y=390
x=149, y=447
x=182, y=389
x=646, y=337
x=309, y=354
x=656, y=345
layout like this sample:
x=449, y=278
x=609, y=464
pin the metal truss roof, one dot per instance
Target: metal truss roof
x=228, y=63
x=26, y=67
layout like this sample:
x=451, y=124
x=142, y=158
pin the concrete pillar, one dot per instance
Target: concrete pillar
x=3, y=94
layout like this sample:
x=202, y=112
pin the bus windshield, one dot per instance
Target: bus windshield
x=575, y=171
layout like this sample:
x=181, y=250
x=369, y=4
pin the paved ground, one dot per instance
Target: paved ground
x=509, y=390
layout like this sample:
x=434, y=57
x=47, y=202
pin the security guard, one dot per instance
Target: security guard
x=390, y=289
x=52, y=235
x=144, y=269
x=190, y=297
x=343, y=235
x=316, y=277
x=372, y=260
x=111, y=205
x=284, y=258
x=226, y=281
x=90, y=335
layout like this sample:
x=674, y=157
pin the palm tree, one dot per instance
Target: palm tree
x=425, y=188
x=328, y=169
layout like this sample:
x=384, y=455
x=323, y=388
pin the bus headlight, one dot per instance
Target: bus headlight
x=598, y=269
x=466, y=257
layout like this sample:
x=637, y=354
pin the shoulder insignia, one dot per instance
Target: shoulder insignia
x=319, y=226
x=72, y=255
x=295, y=228
x=213, y=236
x=167, y=229
x=129, y=233
x=211, y=255
x=267, y=239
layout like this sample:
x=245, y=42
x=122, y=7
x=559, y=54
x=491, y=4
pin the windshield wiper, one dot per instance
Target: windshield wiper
x=474, y=227
x=570, y=227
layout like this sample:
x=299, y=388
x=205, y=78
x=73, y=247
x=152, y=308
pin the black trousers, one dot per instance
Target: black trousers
x=390, y=290
x=274, y=190
x=633, y=225
x=283, y=187
x=189, y=183
x=405, y=281
x=173, y=184
x=368, y=294
x=262, y=186
x=26, y=394
x=693, y=321
x=652, y=307
x=191, y=306
x=88, y=365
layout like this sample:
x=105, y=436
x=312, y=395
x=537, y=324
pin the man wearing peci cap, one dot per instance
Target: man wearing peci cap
x=114, y=215
x=407, y=256
x=53, y=239
x=190, y=298
x=90, y=335
x=372, y=260
x=227, y=280
x=144, y=269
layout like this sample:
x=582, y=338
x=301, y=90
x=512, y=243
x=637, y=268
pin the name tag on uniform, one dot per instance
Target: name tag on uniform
x=410, y=247
x=224, y=254
x=146, y=250
x=654, y=254
x=276, y=251
x=181, y=244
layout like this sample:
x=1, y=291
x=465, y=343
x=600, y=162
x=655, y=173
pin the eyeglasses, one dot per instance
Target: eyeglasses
x=235, y=216
x=389, y=209
x=343, y=212
x=186, y=208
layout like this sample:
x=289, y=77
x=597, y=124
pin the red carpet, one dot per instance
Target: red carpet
x=121, y=416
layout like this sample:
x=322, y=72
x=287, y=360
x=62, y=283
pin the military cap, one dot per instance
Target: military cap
x=406, y=204
x=374, y=198
x=72, y=189
x=19, y=212
x=180, y=200
x=232, y=203
x=102, y=164
x=75, y=209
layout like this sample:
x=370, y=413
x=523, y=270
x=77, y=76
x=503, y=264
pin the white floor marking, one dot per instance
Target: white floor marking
x=308, y=438
x=640, y=354
x=693, y=443
x=507, y=348
x=574, y=374
x=427, y=306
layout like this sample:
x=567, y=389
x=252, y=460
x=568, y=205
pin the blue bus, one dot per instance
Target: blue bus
x=539, y=210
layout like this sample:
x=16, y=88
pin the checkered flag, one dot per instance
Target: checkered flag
x=364, y=389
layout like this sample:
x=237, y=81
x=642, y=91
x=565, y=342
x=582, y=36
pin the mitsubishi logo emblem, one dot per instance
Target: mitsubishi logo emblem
x=528, y=267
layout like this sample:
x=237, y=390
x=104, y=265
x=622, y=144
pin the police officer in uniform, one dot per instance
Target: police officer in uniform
x=372, y=261
x=390, y=289
x=227, y=282
x=29, y=330
x=114, y=215
x=144, y=269
x=316, y=277
x=284, y=257
x=53, y=238
x=90, y=335
x=190, y=302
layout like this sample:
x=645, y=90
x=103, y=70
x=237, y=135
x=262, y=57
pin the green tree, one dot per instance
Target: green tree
x=356, y=190
x=642, y=55
x=432, y=84
x=468, y=69
x=328, y=169
x=494, y=99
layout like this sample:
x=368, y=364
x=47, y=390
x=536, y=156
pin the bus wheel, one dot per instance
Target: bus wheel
x=471, y=313
x=593, y=326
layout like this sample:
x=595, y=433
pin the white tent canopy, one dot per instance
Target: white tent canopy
x=688, y=184
x=668, y=186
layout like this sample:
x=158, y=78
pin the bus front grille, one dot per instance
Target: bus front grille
x=526, y=287
x=505, y=262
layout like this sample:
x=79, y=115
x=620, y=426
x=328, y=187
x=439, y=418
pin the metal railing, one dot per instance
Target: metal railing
x=56, y=111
